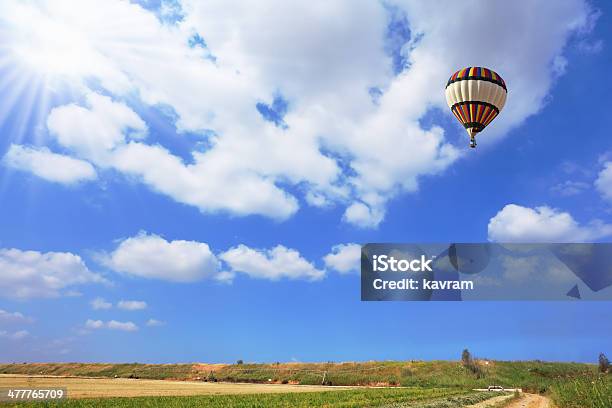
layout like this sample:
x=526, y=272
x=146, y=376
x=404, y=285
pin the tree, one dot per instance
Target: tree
x=604, y=363
x=239, y=362
x=466, y=358
x=468, y=362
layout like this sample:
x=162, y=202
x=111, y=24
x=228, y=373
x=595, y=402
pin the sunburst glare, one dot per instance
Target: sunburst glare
x=42, y=59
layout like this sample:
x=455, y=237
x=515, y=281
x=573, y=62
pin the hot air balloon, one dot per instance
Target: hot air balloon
x=475, y=95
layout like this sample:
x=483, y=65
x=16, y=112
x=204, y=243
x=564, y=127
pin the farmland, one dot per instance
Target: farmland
x=389, y=384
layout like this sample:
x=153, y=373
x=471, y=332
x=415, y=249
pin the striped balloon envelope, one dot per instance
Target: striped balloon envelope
x=475, y=95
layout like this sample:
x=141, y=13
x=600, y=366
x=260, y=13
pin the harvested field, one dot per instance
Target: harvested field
x=124, y=387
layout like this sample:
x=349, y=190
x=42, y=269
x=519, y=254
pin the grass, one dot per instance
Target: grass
x=595, y=392
x=388, y=398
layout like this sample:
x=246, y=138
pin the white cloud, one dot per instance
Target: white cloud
x=211, y=183
x=13, y=317
x=225, y=277
x=344, y=258
x=604, y=181
x=570, y=188
x=515, y=223
x=100, y=304
x=274, y=264
x=154, y=323
x=111, y=324
x=151, y=256
x=124, y=326
x=18, y=335
x=132, y=305
x=49, y=166
x=30, y=274
x=94, y=131
x=325, y=74
x=94, y=324
x=363, y=216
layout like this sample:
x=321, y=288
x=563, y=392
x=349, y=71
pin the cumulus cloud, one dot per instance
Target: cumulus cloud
x=47, y=165
x=363, y=216
x=274, y=264
x=353, y=151
x=344, y=258
x=604, y=181
x=211, y=183
x=151, y=256
x=132, y=305
x=13, y=317
x=95, y=130
x=18, y=335
x=401, y=151
x=515, y=223
x=100, y=304
x=111, y=324
x=30, y=274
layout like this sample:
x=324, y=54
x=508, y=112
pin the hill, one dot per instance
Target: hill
x=534, y=376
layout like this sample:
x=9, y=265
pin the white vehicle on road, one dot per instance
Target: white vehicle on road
x=497, y=388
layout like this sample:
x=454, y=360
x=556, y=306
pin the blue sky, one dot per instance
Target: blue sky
x=222, y=173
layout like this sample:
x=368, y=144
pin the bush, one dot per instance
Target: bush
x=604, y=363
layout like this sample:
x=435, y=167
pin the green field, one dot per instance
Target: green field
x=383, y=398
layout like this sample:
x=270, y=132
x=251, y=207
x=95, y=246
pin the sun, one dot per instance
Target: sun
x=47, y=47
x=51, y=50
x=43, y=58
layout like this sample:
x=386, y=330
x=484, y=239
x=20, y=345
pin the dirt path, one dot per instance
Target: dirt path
x=531, y=401
x=526, y=401
x=490, y=402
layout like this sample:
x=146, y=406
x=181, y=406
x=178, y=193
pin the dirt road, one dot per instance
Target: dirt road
x=123, y=387
x=531, y=401
x=526, y=401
